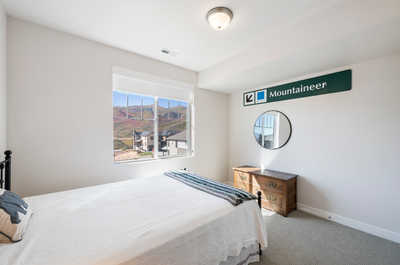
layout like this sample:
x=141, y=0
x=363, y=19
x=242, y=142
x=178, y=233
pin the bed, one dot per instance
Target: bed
x=147, y=220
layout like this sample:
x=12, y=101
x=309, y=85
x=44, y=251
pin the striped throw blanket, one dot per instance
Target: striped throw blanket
x=226, y=192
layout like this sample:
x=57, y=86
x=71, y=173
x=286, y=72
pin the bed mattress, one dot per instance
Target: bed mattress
x=149, y=220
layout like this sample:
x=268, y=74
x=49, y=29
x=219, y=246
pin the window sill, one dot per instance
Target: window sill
x=145, y=161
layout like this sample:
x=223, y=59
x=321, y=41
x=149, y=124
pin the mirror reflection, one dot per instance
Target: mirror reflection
x=272, y=129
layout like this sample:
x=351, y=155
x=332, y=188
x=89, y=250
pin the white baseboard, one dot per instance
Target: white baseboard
x=367, y=228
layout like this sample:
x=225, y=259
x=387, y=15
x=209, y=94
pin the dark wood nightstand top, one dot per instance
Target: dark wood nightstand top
x=274, y=174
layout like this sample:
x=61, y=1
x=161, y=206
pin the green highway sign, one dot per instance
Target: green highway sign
x=325, y=84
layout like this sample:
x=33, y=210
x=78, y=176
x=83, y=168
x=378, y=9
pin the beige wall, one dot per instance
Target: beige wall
x=344, y=146
x=3, y=82
x=60, y=113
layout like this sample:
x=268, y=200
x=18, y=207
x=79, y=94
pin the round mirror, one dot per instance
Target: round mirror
x=272, y=129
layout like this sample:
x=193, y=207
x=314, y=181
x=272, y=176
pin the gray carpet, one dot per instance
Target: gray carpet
x=302, y=239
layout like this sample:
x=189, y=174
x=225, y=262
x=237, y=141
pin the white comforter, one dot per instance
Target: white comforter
x=151, y=220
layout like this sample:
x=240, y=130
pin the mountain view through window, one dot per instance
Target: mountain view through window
x=136, y=118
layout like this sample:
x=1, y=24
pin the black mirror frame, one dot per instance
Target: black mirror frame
x=290, y=125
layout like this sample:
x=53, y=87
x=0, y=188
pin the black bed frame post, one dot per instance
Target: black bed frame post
x=259, y=205
x=7, y=170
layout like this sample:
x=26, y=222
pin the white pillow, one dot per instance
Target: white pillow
x=15, y=214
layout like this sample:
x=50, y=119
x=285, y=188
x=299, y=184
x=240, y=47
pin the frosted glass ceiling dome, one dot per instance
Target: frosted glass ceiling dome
x=220, y=17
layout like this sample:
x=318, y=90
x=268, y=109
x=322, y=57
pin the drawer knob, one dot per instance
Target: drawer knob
x=272, y=185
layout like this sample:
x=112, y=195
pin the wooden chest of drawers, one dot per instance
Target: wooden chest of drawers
x=278, y=189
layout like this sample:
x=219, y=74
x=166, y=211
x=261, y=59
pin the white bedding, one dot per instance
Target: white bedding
x=151, y=220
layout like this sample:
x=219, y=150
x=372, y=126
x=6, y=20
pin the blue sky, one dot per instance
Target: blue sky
x=119, y=100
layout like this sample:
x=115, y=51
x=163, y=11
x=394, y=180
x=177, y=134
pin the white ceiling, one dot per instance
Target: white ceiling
x=267, y=41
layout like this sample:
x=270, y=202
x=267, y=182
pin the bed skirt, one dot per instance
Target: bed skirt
x=247, y=256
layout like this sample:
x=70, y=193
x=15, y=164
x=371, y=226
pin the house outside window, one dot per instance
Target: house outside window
x=148, y=127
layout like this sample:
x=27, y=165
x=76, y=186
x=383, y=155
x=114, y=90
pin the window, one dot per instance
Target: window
x=147, y=127
x=264, y=130
x=173, y=129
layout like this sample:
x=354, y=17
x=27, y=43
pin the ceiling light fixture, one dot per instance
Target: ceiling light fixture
x=219, y=17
